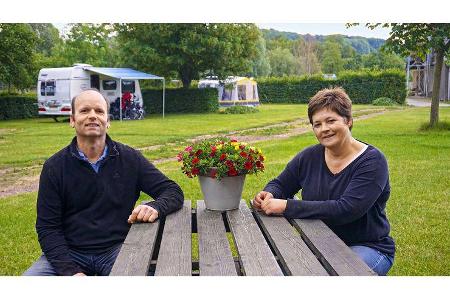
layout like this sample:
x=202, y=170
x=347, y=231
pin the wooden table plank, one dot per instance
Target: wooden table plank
x=215, y=257
x=336, y=256
x=175, y=258
x=291, y=250
x=137, y=250
x=254, y=253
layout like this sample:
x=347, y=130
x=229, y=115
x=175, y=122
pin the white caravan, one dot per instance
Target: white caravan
x=57, y=86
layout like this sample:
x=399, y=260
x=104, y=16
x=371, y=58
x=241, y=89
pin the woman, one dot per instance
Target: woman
x=344, y=182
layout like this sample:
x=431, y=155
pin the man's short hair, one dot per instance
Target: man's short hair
x=334, y=99
x=90, y=89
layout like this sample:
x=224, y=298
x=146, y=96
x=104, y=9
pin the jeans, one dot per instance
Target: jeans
x=380, y=263
x=91, y=264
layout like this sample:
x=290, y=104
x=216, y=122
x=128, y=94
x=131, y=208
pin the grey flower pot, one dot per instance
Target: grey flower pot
x=224, y=194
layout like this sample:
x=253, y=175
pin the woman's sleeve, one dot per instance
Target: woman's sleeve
x=366, y=185
x=287, y=184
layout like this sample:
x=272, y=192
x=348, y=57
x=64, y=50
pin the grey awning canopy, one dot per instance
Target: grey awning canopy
x=122, y=73
x=128, y=74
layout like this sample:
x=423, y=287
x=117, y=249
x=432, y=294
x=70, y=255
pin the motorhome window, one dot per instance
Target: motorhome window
x=48, y=88
x=42, y=88
x=128, y=86
x=109, y=85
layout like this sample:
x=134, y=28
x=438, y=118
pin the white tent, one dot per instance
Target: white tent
x=234, y=90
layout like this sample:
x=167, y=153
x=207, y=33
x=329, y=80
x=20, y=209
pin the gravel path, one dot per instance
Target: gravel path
x=26, y=180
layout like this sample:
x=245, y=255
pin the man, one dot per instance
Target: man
x=87, y=192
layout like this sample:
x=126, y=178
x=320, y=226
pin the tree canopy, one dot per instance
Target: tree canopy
x=189, y=50
x=17, y=50
x=419, y=39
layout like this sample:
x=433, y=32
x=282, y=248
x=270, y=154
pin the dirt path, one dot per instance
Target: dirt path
x=16, y=181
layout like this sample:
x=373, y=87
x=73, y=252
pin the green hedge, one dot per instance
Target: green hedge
x=18, y=107
x=181, y=100
x=361, y=86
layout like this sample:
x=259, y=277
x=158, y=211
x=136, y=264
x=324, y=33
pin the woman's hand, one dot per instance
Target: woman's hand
x=261, y=196
x=273, y=206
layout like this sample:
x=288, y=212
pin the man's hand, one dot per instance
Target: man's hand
x=259, y=198
x=143, y=213
x=273, y=206
x=79, y=274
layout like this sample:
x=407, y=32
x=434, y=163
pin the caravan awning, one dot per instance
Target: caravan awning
x=128, y=74
x=122, y=73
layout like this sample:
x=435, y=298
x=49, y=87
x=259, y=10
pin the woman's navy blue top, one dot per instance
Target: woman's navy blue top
x=352, y=202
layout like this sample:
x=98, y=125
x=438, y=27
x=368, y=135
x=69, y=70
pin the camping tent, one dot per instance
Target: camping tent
x=234, y=90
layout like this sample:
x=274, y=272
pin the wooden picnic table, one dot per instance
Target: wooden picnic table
x=265, y=246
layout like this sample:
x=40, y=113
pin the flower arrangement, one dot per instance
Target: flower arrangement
x=220, y=158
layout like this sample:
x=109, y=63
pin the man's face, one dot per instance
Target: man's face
x=90, y=117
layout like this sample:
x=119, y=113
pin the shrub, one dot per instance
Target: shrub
x=384, y=101
x=238, y=110
x=181, y=100
x=18, y=107
x=361, y=86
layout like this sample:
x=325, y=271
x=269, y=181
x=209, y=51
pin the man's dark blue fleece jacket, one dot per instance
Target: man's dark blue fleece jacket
x=80, y=209
x=352, y=202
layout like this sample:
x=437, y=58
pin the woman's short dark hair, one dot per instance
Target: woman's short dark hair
x=334, y=99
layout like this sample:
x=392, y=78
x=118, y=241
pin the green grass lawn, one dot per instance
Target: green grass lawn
x=418, y=210
x=32, y=141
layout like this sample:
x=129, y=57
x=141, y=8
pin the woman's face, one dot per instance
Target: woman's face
x=331, y=129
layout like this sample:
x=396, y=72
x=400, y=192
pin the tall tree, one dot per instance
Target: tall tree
x=190, y=50
x=332, y=61
x=382, y=60
x=282, y=62
x=86, y=43
x=261, y=64
x=17, y=49
x=306, y=52
x=47, y=37
x=419, y=39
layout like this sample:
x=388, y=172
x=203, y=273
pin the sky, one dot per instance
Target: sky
x=313, y=29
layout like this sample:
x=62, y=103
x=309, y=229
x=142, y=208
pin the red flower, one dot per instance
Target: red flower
x=180, y=156
x=229, y=163
x=188, y=149
x=199, y=151
x=248, y=165
x=259, y=164
x=213, y=173
x=195, y=160
x=195, y=171
x=233, y=141
x=232, y=172
x=261, y=158
x=243, y=154
x=223, y=156
x=213, y=151
x=242, y=147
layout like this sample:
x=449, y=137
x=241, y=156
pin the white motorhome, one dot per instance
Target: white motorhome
x=57, y=86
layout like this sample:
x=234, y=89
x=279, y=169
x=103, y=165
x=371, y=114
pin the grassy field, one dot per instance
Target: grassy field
x=418, y=210
x=27, y=142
